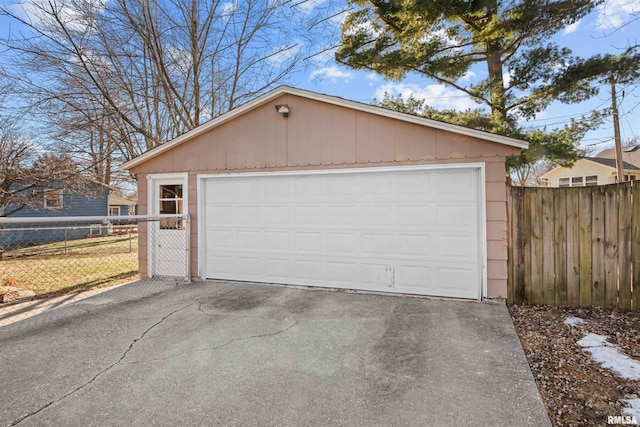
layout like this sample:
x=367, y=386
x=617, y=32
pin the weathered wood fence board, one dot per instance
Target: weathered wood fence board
x=578, y=247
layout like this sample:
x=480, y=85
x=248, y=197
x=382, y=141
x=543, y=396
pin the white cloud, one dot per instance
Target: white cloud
x=72, y=14
x=468, y=76
x=324, y=55
x=308, y=5
x=614, y=13
x=506, y=78
x=229, y=8
x=572, y=28
x=437, y=96
x=333, y=74
x=283, y=54
x=372, y=78
x=439, y=35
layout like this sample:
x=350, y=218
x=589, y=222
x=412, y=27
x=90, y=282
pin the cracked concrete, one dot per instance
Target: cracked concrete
x=242, y=354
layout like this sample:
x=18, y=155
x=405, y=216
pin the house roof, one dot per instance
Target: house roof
x=117, y=200
x=334, y=100
x=612, y=163
x=630, y=154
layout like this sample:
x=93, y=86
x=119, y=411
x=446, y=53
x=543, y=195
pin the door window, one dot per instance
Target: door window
x=171, y=204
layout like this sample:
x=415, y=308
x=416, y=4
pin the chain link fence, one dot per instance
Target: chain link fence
x=44, y=260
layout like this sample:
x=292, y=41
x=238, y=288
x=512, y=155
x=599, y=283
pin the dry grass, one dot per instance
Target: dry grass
x=55, y=268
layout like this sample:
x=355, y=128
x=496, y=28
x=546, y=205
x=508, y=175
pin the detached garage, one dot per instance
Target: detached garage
x=301, y=188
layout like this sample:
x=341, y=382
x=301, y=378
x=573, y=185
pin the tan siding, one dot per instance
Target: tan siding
x=318, y=135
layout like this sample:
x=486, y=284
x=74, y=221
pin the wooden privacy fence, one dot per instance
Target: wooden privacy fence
x=577, y=247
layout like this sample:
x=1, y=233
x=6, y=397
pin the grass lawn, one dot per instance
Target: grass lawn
x=57, y=268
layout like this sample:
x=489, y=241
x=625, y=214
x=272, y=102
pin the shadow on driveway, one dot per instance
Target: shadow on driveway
x=243, y=354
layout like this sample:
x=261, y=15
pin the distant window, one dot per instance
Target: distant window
x=577, y=181
x=565, y=182
x=114, y=210
x=53, y=199
x=626, y=178
x=591, y=180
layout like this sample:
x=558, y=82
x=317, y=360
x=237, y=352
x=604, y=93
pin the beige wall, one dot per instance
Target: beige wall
x=584, y=168
x=318, y=135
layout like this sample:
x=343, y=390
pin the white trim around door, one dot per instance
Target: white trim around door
x=167, y=240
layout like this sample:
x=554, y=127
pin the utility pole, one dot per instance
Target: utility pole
x=616, y=131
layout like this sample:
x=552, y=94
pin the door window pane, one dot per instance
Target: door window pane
x=171, y=204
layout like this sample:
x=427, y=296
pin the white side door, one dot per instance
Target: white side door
x=168, y=236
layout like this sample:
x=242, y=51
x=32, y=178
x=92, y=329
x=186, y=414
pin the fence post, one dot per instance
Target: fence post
x=65, y=240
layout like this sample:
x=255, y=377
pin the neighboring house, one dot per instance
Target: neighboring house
x=59, y=203
x=588, y=171
x=121, y=206
x=630, y=154
x=302, y=188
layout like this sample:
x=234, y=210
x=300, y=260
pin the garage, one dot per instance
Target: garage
x=301, y=188
x=408, y=230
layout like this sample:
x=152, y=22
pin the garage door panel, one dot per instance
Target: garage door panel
x=378, y=243
x=251, y=267
x=310, y=270
x=412, y=245
x=220, y=214
x=454, y=278
x=248, y=215
x=454, y=185
x=278, y=240
x=412, y=277
x=341, y=215
x=250, y=240
x=343, y=273
x=222, y=265
x=456, y=217
x=416, y=215
x=376, y=216
x=278, y=268
x=306, y=241
x=391, y=231
x=221, y=238
x=376, y=276
x=456, y=247
x=309, y=214
x=342, y=242
x=276, y=215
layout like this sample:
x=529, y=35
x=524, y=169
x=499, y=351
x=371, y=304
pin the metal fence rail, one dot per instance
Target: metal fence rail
x=48, y=257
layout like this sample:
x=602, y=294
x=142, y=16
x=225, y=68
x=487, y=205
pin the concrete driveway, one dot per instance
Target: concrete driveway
x=219, y=353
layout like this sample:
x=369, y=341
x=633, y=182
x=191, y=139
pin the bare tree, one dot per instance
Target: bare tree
x=127, y=75
x=27, y=174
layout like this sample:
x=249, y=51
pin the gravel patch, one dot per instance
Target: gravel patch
x=576, y=389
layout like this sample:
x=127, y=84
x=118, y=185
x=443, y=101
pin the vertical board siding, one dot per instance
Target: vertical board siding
x=577, y=247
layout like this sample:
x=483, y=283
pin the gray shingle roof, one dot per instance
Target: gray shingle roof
x=612, y=163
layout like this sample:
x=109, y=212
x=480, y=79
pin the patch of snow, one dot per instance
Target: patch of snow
x=633, y=407
x=609, y=356
x=573, y=321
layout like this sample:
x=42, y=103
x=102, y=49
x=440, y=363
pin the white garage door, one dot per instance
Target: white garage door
x=408, y=230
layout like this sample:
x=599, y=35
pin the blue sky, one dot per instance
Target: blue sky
x=609, y=29
x=606, y=30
